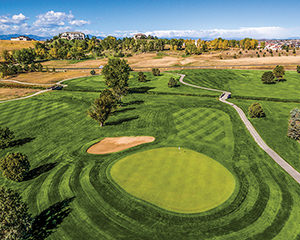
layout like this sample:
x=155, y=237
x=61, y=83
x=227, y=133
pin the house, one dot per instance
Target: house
x=140, y=36
x=21, y=38
x=72, y=35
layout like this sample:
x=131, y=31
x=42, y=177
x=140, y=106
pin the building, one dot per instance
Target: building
x=140, y=36
x=72, y=35
x=22, y=38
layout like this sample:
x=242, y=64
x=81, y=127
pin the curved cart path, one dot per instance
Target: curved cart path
x=279, y=160
x=37, y=93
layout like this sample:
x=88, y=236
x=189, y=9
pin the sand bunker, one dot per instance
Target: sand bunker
x=116, y=144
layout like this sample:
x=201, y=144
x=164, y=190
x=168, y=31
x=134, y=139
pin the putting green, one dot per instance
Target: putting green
x=179, y=180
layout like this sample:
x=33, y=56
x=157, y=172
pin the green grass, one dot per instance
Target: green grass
x=265, y=203
x=246, y=83
x=178, y=180
x=273, y=128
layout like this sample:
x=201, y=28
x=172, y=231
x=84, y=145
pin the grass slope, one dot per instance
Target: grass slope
x=178, y=180
x=245, y=83
x=70, y=193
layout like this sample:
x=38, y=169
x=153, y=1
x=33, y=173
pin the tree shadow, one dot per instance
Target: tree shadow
x=39, y=170
x=123, y=110
x=48, y=220
x=20, y=142
x=120, y=121
x=281, y=80
x=140, y=89
x=137, y=102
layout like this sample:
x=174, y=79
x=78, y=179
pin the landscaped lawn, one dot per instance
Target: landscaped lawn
x=80, y=199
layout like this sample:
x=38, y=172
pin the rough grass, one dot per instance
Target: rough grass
x=7, y=93
x=81, y=202
x=179, y=180
x=14, y=45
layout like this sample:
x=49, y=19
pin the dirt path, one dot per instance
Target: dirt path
x=279, y=160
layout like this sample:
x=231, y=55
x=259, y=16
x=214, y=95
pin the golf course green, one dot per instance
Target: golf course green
x=175, y=179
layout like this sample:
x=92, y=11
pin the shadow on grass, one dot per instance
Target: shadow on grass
x=122, y=120
x=48, y=220
x=123, y=110
x=39, y=170
x=137, y=102
x=19, y=142
x=140, y=89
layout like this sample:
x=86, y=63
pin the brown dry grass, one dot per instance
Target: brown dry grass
x=10, y=93
x=116, y=144
x=48, y=78
x=15, y=45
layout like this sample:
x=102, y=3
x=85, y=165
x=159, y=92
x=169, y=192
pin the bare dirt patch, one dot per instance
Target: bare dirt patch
x=11, y=93
x=117, y=144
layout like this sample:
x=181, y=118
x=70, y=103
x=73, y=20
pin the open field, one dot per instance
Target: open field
x=15, y=45
x=10, y=93
x=179, y=180
x=171, y=59
x=82, y=202
x=246, y=83
x=45, y=78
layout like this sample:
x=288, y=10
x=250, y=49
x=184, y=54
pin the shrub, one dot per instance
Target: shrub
x=279, y=72
x=93, y=72
x=298, y=69
x=53, y=70
x=294, y=124
x=6, y=136
x=256, y=111
x=268, y=78
x=172, y=83
x=155, y=72
x=142, y=77
x=39, y=67
x=15, y=166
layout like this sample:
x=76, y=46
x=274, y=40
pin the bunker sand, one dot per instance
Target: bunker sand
x=117, y=144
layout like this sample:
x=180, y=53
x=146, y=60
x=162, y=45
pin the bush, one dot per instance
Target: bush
x=39, y=67
x=93, y=72
x=298, y=69
x=15, y=166
x=294, y=124
x=155, y=72
x=268, y=77
x=53, y=70
x=142, y=77
x=256, y=111
x=6, y=136
x=172, y=83
x=279, y=72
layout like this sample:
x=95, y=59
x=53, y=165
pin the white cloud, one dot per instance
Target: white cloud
x=15, y=19
x=53, y=19
x=79, y=22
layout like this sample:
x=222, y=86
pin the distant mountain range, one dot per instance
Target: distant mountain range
x=39, y=38
x=35, y=37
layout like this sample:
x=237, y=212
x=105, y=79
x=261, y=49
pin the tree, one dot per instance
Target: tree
x=39, y=67
x=24, y=56
x=268, y=78
x=116, y=74
x=294, y=124
x=155, y=72
x=279, y=72
x=6, y=136
x=172, y=83
x=15, y=166
x=102, y=107
x=93, y=72
x=298, y=69
x=142, y=77
x=15, y=221
x=256, y=111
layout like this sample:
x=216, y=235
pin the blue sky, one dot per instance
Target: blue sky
x=201, y=18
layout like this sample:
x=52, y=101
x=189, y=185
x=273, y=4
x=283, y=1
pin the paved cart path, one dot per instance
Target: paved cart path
x=279, y=160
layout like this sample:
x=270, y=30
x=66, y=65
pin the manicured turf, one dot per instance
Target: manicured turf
x=246, y=83
x=56, y=132
x=178, y=180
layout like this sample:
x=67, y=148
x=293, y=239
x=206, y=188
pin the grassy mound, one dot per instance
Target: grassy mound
x=178, y=180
